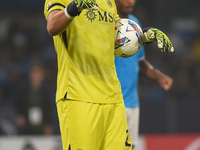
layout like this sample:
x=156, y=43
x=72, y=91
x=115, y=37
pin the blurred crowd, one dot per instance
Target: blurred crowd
x=28, y=69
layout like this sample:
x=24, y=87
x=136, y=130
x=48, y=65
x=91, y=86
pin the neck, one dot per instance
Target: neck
x=121, y=15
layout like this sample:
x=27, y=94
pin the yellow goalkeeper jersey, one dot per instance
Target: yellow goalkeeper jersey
x=85, y=54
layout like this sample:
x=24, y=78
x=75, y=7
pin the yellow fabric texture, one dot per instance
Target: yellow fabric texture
x=97, y=127
x=86, y=69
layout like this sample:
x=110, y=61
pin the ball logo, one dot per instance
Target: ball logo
x=138, y=32
x=121, y=41
x=133, y=26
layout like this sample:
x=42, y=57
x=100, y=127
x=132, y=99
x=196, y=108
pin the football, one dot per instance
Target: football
x=128, y=38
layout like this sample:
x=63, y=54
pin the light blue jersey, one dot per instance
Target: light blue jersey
x=127, y=72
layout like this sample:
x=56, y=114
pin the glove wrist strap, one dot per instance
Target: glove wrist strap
x=71, y=10
x=146, y=39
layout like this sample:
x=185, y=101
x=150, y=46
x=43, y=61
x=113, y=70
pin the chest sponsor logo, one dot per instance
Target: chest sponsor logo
x=92, y=15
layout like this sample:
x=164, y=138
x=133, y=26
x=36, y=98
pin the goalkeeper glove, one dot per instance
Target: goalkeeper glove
x=155, y=35
x=76, y=6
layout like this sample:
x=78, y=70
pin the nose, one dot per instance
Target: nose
x=132, y=2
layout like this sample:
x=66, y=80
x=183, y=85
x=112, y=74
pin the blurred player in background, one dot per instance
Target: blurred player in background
x=128, y=70
x=34, y=118
x=89, y=100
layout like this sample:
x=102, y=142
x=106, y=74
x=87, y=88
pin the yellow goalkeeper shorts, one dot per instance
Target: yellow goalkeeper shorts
x=89, y=126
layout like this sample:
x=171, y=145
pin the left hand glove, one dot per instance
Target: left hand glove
x=86, y=4
x=155, y=35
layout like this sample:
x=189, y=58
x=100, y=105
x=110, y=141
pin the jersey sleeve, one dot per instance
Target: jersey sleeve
x=51, y=5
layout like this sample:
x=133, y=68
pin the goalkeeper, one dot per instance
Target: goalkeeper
x=89, y=101
x=128, y=69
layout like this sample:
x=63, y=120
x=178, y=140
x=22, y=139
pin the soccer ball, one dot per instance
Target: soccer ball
x=128, y=38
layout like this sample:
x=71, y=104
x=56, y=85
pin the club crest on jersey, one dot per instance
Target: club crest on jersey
x=109, y=3
x=48, y=5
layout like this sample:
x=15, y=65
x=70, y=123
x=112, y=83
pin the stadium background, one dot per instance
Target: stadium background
x=24, y=42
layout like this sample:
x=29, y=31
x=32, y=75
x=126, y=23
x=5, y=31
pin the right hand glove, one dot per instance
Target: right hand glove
x=76, y=6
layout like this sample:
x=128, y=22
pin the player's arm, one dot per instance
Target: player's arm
x=59, y=20
x=155, y=35
x=164, y=80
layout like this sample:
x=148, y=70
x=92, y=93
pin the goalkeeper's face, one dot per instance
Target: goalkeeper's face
x=125, y=7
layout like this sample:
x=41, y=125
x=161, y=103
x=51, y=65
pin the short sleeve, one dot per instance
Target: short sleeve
x=51, y=5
